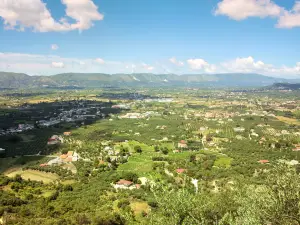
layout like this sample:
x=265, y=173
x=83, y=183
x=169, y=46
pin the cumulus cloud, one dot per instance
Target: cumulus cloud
x=54, y=47
x=100, y=61
x=242, y=9
x=176, y=62
x=147, y=67
x=246, y=65
x=290, y=18
x=201, y=64
x=83, y=11
x=33, y=14
x=250, y=65
x=58, y=64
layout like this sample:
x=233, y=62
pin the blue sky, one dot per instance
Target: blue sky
x=155, y=36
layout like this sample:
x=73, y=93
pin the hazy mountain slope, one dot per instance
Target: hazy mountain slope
x=14, y=80
x=19, y=80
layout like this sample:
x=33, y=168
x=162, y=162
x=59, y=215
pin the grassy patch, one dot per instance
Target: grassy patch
x=7, y=163
x=139, y=207
x=66, y=182
x=288, y=120
x=35, y=175
x=223, y=162
x=139, y=163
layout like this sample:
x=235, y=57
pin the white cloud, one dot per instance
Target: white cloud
x=54, y=47
x=246, y=65
x=290, y=18
x=147, y=67
x=84, y=12
x=201, y=64
x=33, y=14
x=249, y=65
x=58, y=64
x=176, y=62
x=53, y=64
x=242, y=9
x=100, y=61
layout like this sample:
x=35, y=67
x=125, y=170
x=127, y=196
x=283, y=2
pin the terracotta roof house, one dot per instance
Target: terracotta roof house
x=182, y=144
x=70, y=153
x=124, y=182
x=69, y=159
x=263, y=161
x=64, y=156
x=180, y=170
x=54, y=140
x=101, y=162
x=67, y=133
x=43, y=165
x=297, y=148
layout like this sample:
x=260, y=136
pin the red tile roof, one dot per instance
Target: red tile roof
x=180, y=170
x=263, y=161
x=124, y=182
x=69, y=159
x=64, y=156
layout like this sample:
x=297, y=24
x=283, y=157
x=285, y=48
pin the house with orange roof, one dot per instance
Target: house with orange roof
x=69, y=159
x=182, y=144
x=126, y=184
x=263, y=161
x=180, y=170
x=63, y=156
x=297, y=148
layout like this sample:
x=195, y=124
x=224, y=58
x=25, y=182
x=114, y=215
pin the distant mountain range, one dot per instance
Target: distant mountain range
x=93, y=80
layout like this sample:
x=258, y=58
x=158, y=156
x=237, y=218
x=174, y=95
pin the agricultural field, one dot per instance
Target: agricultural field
x=141, y=156
x=34, y=175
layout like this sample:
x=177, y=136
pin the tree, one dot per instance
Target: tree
x=192, y=158
x=138, y=149
x=276, y=202
x=165, y=151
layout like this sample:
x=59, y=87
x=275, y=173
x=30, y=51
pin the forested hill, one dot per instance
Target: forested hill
x=21, y=80
x=285, y=86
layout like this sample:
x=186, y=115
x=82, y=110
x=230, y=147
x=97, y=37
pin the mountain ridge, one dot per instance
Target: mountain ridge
x=93, y=80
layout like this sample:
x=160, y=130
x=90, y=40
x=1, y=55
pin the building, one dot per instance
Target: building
x=55, y=161
x=239, y=129
x=54, y=140
x=126, y=184
x=182, y=144
x=180, y=170
x=297, y=148
x=263, y=161
x=67, y=133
